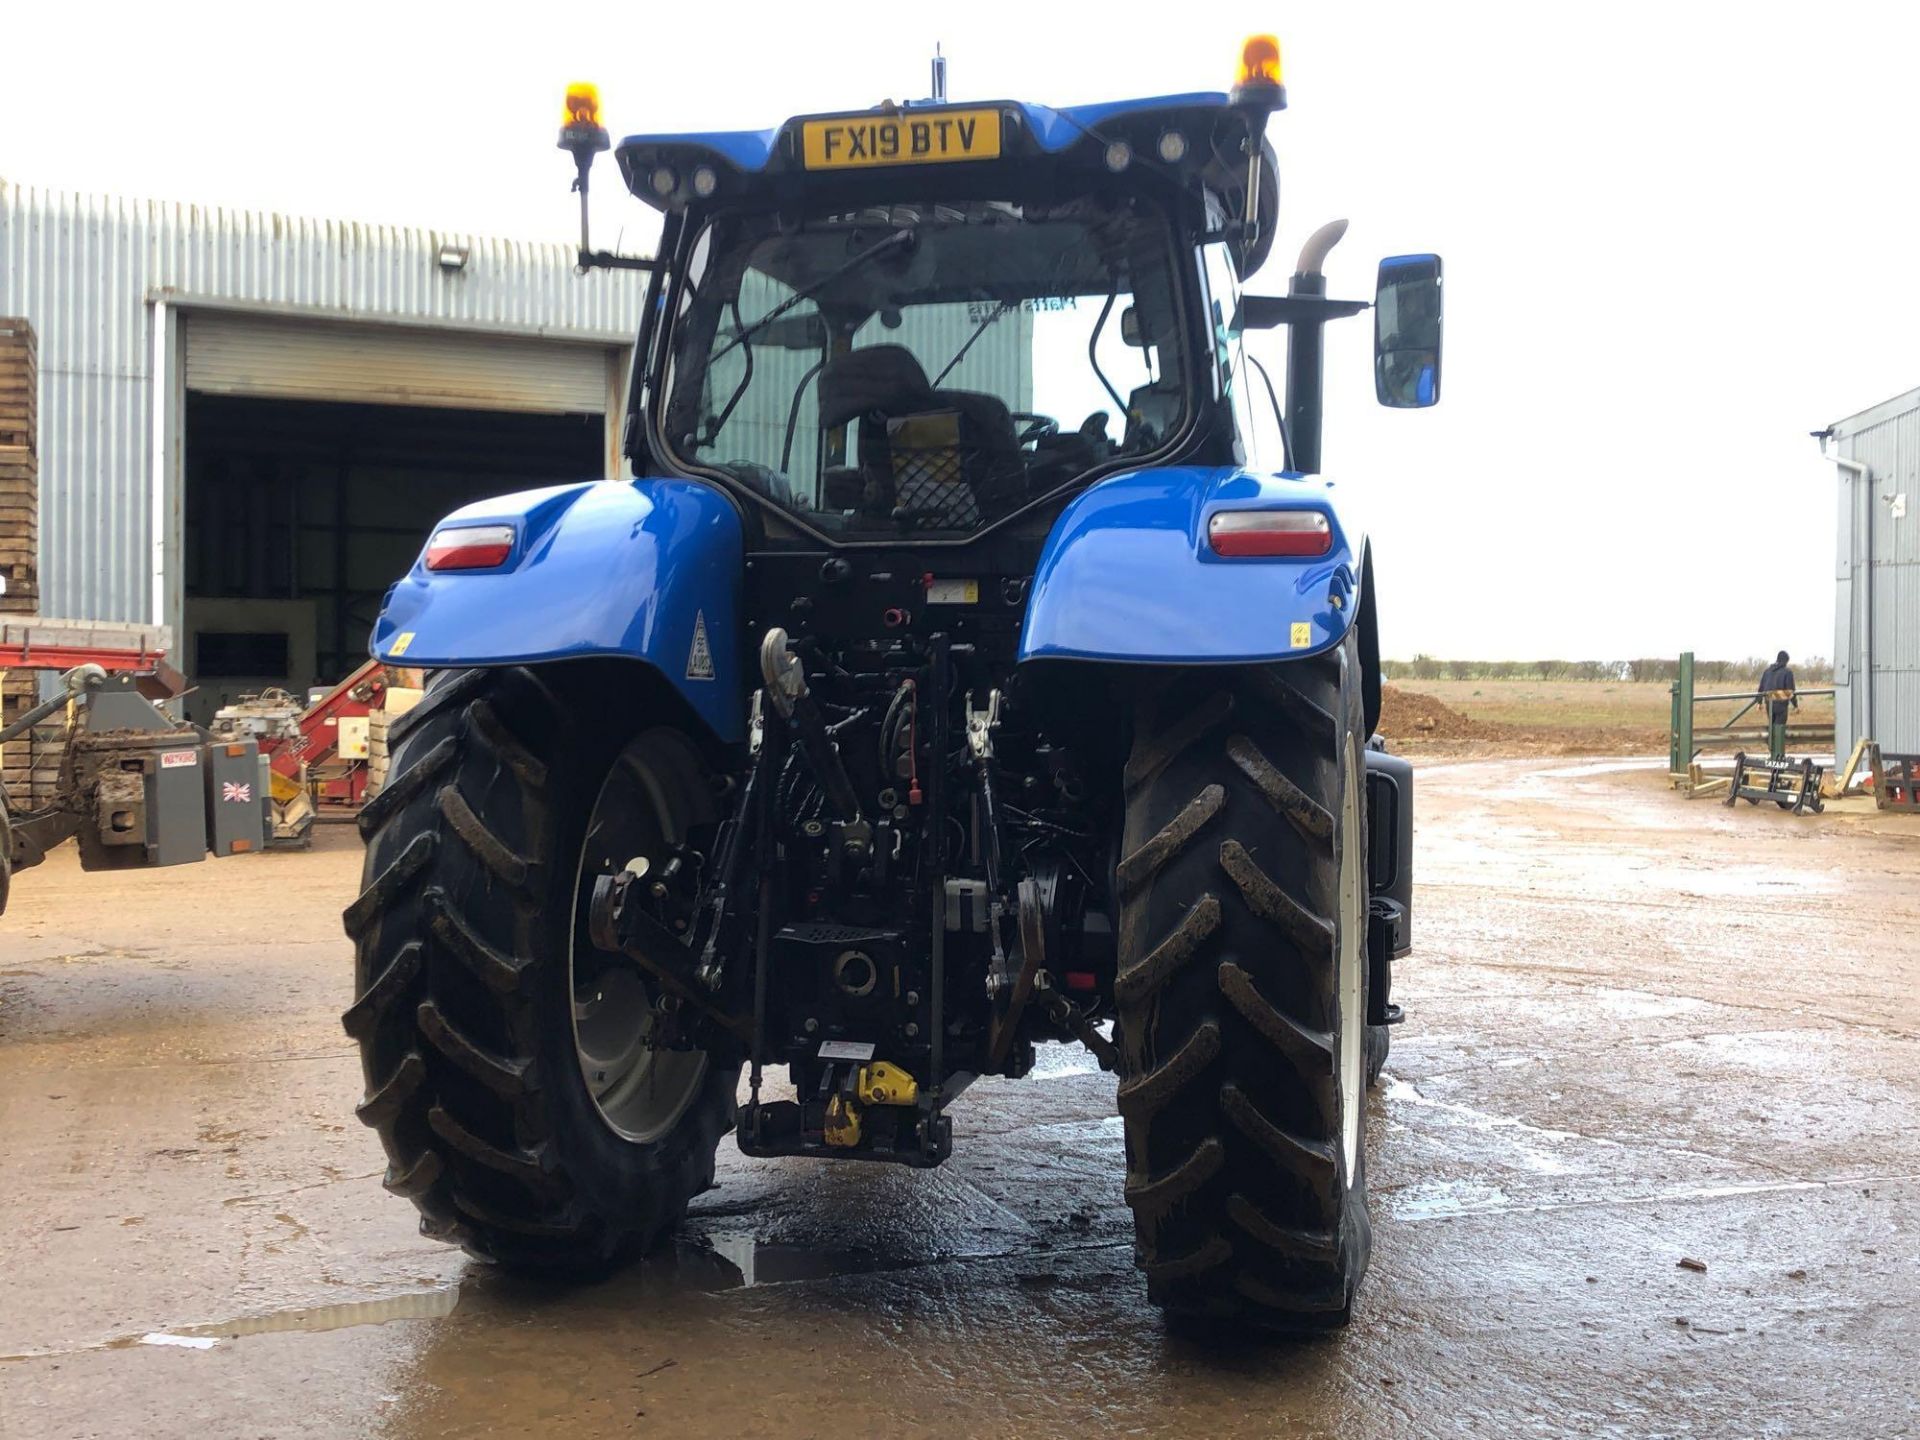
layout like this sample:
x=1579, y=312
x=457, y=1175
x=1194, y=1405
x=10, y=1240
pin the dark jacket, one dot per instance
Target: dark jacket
x=1777, y=677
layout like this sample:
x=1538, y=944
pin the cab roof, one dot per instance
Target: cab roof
x=1051, y=130
x=666, y=171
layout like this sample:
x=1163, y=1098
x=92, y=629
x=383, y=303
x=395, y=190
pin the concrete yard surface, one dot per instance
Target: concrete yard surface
x=1644, y=1162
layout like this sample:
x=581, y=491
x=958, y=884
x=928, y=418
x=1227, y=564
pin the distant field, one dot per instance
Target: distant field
x=1545, y=716
x=1574, y=704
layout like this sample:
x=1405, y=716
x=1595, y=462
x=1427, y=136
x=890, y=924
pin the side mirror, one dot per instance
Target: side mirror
x=1406, y=332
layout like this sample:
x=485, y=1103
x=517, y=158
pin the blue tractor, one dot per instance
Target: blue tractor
x=976, y=662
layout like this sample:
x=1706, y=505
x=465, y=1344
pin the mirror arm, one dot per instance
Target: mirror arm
x=584, y=144
x=1255, y=114
x=1250, y=220
x=607, y=260
x=1266, y=312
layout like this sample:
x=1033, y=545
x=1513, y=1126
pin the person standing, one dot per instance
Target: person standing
x=1777, y=692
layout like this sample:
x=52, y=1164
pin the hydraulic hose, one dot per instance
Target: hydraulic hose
x=786, y=680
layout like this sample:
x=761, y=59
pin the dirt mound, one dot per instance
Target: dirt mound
x=1417, y=723
x=1410, y=715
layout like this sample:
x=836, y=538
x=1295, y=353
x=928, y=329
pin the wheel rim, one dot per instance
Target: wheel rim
x=641, y=1092
x=1351, y=960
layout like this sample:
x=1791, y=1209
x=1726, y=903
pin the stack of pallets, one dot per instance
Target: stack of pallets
x=399, y=699
x=19, y=527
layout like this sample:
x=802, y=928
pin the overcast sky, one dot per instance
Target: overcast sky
x=1677, y=237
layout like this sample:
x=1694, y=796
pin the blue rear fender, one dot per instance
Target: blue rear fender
x=645, y=569
x=1128, y=576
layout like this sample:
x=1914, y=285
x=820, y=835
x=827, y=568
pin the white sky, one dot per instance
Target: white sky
x=1677, y=236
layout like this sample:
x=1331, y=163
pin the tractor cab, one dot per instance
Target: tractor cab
x=926, y=320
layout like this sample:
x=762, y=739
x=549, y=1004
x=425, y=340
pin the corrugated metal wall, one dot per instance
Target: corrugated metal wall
x=1877, y=608
x=86, y=270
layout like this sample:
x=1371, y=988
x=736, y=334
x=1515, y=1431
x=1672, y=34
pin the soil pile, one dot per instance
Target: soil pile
x=1417, y=723
x=1410, y=715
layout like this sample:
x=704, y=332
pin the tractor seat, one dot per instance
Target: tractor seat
x=928, y=458
x=877, y=380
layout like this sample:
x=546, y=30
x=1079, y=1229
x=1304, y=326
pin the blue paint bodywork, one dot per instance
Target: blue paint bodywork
x=603, y=568
x=1127, y=575
x=626, y=567
x=1053, y=130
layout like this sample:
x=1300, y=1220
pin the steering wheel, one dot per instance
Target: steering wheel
x=1037, y=427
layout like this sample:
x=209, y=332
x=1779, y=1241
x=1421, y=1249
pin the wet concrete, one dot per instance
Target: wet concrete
x=1642, y=1031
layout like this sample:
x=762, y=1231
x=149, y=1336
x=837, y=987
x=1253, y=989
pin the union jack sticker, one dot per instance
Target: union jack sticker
x=236, y=791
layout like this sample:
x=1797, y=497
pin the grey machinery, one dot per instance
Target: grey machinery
x=136, y=787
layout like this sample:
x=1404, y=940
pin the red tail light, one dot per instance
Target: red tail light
x=469, y=547
x=1269, y=532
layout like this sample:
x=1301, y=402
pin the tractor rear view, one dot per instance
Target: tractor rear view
x=978, y=662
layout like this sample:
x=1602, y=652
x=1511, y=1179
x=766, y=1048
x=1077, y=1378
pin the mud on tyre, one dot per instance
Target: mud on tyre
x=470, y=1023
x=1241, y=994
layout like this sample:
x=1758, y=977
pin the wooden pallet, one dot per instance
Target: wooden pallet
x=30, y=765
x=19, y=475
x=19, y=385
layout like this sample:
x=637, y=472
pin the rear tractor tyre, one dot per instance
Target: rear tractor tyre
x=1242, y=992
x=508, y=1069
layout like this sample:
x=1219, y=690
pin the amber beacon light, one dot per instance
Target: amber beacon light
x=583, y=137
x=1259, y=78
x=580, y=129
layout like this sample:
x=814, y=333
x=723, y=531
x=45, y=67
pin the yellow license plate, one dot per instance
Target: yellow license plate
x=855, y=141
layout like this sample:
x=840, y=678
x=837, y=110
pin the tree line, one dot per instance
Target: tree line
x=1816, y=671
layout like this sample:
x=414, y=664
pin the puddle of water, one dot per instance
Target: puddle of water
x=738, y=1261
x=1062, y=1063
x=1403, y=1092
x=1786, y=1052
x=1598, y=767
x=1453, y=1199
x=435, y=1304
x=759, y=1263
x=1643, y=1004
x=1446, y=1197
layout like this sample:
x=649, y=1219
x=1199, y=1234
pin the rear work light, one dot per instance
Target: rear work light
x=1269, y=532
x=469, y=547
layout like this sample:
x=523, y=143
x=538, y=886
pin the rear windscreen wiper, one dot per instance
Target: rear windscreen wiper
x=898, y=237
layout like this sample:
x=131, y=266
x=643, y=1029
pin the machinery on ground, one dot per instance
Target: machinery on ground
x=979, y=662
x=316, y=751
x=135, y=786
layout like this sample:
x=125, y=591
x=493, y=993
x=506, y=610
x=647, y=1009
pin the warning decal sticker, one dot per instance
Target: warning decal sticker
x=700, y=656
x=1302, y=634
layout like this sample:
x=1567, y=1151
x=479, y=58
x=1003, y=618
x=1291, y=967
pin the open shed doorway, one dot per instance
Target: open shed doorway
x=299, y=514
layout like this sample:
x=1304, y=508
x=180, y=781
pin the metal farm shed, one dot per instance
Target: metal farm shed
x=248, y=421
x=1877, y=609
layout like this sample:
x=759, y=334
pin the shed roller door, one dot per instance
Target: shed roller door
x=388, y=365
